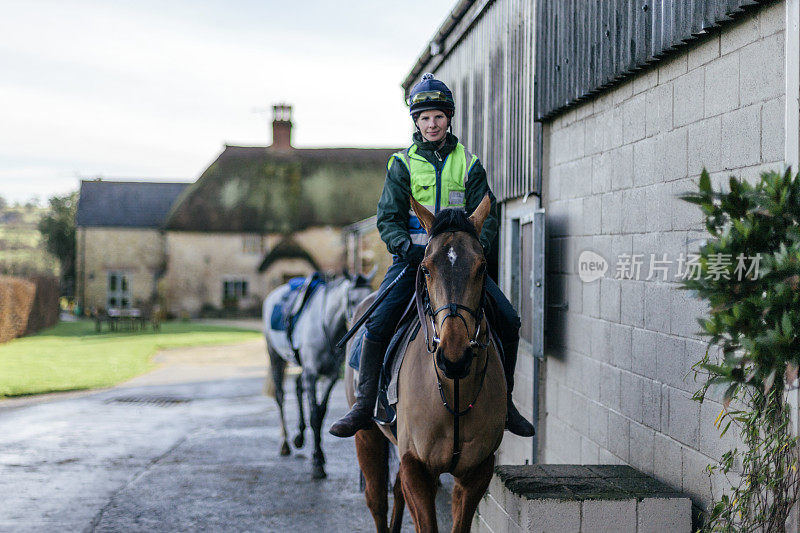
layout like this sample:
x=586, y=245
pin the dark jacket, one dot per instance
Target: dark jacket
x=394, y=204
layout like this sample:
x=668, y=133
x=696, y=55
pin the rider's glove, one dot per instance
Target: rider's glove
x=414, y=255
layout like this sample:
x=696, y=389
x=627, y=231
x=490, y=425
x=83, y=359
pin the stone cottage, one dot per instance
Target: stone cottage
x=256, y=216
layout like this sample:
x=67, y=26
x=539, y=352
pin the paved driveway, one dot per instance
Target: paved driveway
x=192, y=446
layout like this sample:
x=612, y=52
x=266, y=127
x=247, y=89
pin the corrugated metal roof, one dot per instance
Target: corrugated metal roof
x=585, y=47
x=128, y=204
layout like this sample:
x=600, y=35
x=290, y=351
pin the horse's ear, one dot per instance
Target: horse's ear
x=425, y=217
x=478, y=217
x=372, y=273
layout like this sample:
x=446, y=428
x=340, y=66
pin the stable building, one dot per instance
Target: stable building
x=590, y=118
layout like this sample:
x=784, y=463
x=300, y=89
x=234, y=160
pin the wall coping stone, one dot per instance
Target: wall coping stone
x=580, y=498
x=582, y=482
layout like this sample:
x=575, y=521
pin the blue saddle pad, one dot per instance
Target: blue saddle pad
x=296, y=283
x=279, y=318
x=276, y=320
x=355, y=351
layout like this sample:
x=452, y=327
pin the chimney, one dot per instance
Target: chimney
x=281, y=127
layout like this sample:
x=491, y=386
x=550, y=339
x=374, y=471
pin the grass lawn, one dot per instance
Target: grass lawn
x=71, y=356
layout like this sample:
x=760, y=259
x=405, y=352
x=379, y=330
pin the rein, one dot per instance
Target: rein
x=425, y=312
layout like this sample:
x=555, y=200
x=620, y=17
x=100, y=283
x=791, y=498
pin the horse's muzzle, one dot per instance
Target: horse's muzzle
x=455, y=369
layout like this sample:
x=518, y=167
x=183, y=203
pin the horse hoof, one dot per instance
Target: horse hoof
x=285, y=450
x=299, y=440
x=318, y=472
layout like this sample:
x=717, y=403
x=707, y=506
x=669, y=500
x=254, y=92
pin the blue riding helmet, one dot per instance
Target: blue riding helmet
x=430, y=93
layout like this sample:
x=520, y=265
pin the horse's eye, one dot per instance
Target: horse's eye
x=425, y=271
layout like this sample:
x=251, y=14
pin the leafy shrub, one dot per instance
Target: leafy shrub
x=754, y=319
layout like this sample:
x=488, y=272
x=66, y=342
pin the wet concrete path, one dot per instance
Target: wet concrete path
x=192, y=446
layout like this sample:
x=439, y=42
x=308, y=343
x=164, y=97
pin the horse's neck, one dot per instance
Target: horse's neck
x=326, y=306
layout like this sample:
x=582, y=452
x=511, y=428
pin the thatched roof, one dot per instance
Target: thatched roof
x=260, y=190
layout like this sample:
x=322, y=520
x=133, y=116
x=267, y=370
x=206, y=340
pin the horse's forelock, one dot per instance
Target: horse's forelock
x=452, y=220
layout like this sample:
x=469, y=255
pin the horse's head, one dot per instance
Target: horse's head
x=357, y=287
x=454, y=270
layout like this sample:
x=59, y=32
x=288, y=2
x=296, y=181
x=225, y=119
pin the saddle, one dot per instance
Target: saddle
x=405, y=332
x=286, y=312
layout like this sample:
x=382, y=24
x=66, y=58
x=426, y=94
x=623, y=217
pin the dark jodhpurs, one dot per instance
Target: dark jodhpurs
x=380, y=326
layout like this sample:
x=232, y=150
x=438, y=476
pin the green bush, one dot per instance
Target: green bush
x=750, y=275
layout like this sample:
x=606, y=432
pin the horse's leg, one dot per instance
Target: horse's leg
x=277, y=367
x=398, y=507
x=467, y=493
x=371, y=453
x=419, y=490
x=300, y=438
x=323, y=404
x=318, y=458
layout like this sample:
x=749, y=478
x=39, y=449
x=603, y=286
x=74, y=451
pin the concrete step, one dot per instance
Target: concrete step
x=580, y=498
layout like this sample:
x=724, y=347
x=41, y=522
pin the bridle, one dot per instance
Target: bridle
x=427, y=313
x=452, y=311
x=432, y=341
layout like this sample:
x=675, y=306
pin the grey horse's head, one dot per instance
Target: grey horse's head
x=358, y=287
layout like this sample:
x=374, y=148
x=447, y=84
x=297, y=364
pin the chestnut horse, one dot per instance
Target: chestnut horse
x=451, y=406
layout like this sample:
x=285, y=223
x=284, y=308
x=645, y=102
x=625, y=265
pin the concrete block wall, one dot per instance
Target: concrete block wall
x=618, y=380
x=514, y=449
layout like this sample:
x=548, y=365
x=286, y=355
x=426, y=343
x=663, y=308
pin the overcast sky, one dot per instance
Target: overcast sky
x=154, y=89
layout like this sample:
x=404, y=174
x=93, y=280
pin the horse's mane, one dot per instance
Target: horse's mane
x=452, y=219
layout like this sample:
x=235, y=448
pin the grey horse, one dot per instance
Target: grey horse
x=321, y=324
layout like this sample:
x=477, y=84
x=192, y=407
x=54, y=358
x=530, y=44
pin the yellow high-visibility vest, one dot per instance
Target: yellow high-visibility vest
x=435, y=190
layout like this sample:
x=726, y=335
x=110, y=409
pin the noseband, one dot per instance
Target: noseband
x=426, y=313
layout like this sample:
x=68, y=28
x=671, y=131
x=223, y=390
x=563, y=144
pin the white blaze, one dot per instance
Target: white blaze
x=451, y=255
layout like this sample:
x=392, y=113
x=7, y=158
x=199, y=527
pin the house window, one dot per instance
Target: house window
x=234, y=289
x=118, y=291
x=252, y=244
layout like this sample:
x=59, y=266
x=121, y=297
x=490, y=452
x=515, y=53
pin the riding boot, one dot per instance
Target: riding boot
x=515, y=422
x=369, y=368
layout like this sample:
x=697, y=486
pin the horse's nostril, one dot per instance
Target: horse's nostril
x=454, y=369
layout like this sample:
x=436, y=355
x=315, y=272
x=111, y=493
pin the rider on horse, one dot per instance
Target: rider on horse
x=439, y=172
